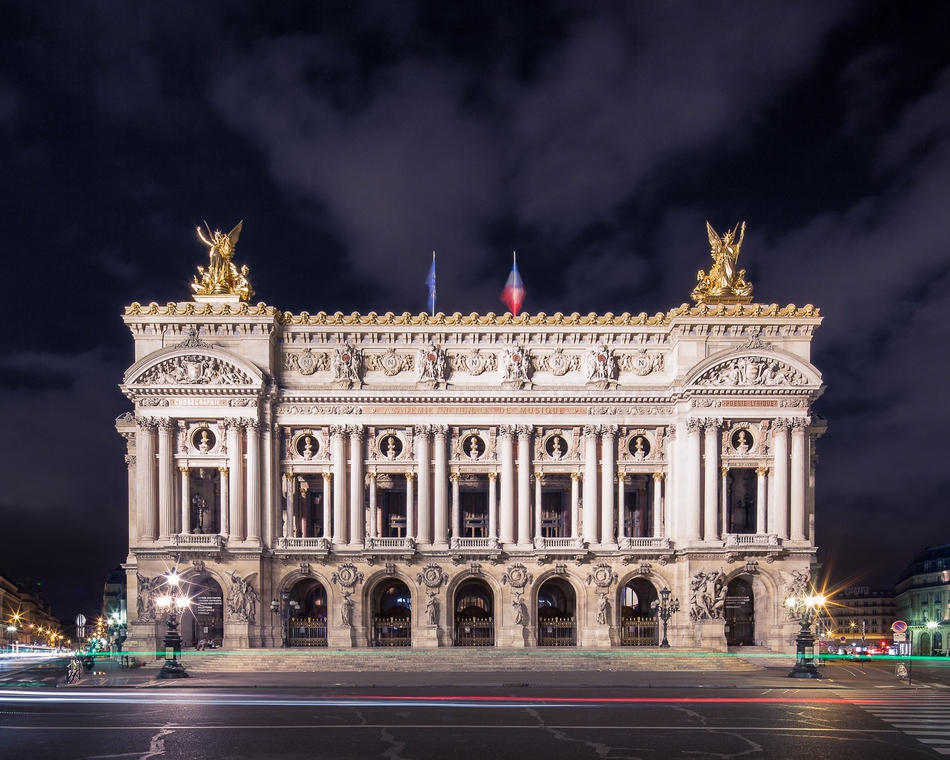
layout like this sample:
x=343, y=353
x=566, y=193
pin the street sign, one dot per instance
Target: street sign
x=900, y=638
x=80, y=620
x=899, y=626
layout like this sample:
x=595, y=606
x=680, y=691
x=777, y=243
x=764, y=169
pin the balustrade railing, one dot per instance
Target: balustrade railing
x=558, y=542
x=639, y=632
x=645, y=542
x=406, y=544
x=751, y=539
x=197, y=540
x=307, y=632
x=290, y=542
x=466, y=542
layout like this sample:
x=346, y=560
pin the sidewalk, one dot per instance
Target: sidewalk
x=108, y=674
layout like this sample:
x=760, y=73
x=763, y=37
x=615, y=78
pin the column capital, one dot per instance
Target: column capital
x=440, y=431
x=337, y=431
x=493, y=476
x=762, y=471
x=252, y=425
x=223, y=470
x=524, y=431
x=591, y=431
x=184, y=469
x=289, y=476
x=130, y=460
x=147, y=424
x=712, y=424
x=327, y=476
x=370, y=477
x=410, y=477
x=781, y=423
x=422, y=431
x=800, y=424
x=454, y=476
x=724, y=471
x=694, y=425
x=539, y=476
x=608, y=431
x=658, y=477
x=576, y=476
x=165, y=424
x=506, y=431
x=355, y=432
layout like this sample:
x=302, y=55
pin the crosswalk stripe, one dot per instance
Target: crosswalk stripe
x=925, y=716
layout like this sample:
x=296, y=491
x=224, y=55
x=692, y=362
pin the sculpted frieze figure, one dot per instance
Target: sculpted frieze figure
x=725, y=283
x=347, y=365
x=222, y=276
x=148, y=589
x=242, y=599
x=601, y=365
x=751, y=371
x=194, y=370
x=431, y=365
x=707, y=595
x=515, y=365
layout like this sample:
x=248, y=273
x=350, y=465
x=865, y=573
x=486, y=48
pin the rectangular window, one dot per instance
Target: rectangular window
x=938, y=598
x=638, y=507
x=394, y=514
x=741, y=495
x=474, y=506
x=554, y=515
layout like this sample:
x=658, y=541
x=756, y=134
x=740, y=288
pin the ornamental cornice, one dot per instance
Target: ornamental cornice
x=188, y=308
x=541, y=319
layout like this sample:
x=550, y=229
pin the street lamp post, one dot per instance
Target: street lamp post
x=284, y=610
x=173, y=603
x=806, y=608
x=664, y=608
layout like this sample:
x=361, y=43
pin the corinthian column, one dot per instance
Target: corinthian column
x=225, y=501
x=410, y=505
x=357, y=519
x=657, y=504
x=373, y=520
x=146, y=491
x=778, y=519
x=507, y=456
x=339, y=484
x=693, y=465
x=456, y=518
x=760, y=503
x=290, y=486
x=166, y=479
x=327, y=484
x=185, y=498
x=797, y=485
x=424, y=457
x=608, y=456
x=235, y=470
x=575, y=503
x=439, y=493
x=524, y=485
x=711, y=501
x=253, y=480
x=538, y=482
x=493, y=505
x=590, y=483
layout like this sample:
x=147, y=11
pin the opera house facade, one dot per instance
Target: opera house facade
x=348, y=480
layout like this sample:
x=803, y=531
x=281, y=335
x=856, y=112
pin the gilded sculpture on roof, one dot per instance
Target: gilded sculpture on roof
x=724, y=283
x=222, y=277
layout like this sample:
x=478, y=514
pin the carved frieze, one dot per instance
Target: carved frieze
x=747, y=371
x=642, y=362
x=475, y=362
x=194, y=370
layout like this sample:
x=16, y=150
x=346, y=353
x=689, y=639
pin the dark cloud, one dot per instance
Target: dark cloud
x=596, y=140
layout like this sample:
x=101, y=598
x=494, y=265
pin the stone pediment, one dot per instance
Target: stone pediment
x=193, y=368
x=755, y=371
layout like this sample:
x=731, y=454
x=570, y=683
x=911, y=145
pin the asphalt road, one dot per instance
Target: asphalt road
x=854, y=713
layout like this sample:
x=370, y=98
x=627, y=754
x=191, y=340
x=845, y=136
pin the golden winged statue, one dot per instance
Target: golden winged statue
x=222, y=277
x=724, y=283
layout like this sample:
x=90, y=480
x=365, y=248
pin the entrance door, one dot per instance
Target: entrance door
x=638, y=620
x=474, y=619
x=392, y=615
x=739, y=611
x=308, y=628
x=207, y=609
x=557, y=625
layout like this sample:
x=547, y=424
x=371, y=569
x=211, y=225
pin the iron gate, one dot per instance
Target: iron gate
x=557, y=632
x=307, y=632
x=475, y=632
x=391, y=632
x=639, y=632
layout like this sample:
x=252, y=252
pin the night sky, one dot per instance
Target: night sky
x=353, y=139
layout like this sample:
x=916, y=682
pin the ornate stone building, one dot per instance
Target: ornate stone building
x=450, y=480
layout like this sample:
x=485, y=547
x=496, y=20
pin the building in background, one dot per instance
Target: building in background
x=471, y=480
x=923, y=600
x=860, y=617
x=26, y=618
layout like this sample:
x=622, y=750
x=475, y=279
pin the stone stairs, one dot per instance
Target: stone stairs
x=462, y=660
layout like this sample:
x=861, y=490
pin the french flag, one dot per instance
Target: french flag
x=513, y=293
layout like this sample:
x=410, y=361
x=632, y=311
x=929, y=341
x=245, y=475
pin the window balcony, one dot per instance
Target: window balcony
x=633, y=543
x=402, y=544
x=564, y=543
x=211, y=542
x=300, y=544
x=747, y=540
x=465, y=542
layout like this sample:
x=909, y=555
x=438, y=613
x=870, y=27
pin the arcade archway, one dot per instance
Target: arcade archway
x=638, y=620
x=474, y=615
x=206, y=613
x=308, y=628
x=557, y=616
x=392, y=615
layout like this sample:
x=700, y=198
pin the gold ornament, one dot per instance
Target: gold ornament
x=222, y=278
x=724, y=283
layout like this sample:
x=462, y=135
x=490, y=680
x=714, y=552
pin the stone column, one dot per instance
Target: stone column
x=608, y=449
x=146, y=492
x=621, y=503
x=290, y=526
x=724, y=494
x=339, y=484
x=440, y=485
x=760, y=502
x=590, y=483
x=693, y=465
x=778, y=519
x=657, y=504
x=711, y=500
x=253, y=428
x=410, y=505
x=224, y=505
x=493, y=505
x=797, y=484
x=357, y=501
x=424, y=457
x=132, y=486
x=672, y=490
x=373, y=520
x=270, y=499
x=524, y=485
x=235, y=470
x=538, y=482
x=507, y=457
x=327, y=521
x=456, y=519
x=185, y=498
x=575, y=503
x=166, y=479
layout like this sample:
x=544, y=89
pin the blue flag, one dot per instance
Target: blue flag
x=430, y=282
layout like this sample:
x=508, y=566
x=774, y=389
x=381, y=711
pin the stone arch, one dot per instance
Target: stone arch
x=389, y=601
x=559, y=605
x=812, y=377
x=204, y=617
x=473, y=612
x=225, y=370
x=634, y=611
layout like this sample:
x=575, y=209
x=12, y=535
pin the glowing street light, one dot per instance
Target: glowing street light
x=806, y=609
x=172, y=603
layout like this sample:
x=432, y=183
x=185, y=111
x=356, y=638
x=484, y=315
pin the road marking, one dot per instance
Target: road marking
x=922, y=715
